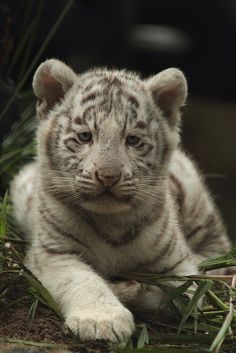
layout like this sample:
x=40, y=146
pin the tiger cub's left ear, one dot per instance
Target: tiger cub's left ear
x=169, y=91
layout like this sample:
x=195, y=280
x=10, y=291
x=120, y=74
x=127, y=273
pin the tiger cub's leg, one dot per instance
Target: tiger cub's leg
x=89, y=306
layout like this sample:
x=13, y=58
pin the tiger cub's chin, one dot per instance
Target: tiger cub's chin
x=107, y=204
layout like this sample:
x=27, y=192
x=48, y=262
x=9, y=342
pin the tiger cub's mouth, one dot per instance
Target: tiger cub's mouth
x=107, y=202
x=108, y=195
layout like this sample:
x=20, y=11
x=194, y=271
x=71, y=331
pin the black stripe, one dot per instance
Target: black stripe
x=149, y=148
x=134, y=232
x=90, y=97
x=71, y=143
x=208, y=226
x=134, y=101
x=163, y=251
x=53, y=222
x=168, y=269
x=88, y=111
x=180, y=190
x=140, y=125
x=49, y=148
x=194, y=231
x=50, y=250
x=78, y=120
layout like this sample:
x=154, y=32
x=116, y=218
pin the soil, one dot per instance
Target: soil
x=45, y=330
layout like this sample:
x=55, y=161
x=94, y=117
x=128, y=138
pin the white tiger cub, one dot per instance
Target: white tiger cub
x=111, y=191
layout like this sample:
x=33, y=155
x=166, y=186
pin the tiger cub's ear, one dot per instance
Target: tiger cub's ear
x=169, y=91
x=51, y=81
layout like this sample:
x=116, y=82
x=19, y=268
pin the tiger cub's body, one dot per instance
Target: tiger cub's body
x=111, y=192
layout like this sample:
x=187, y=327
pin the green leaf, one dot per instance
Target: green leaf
x=36, y=285
x=203, y=287
x=175, y=293
x=3, y=216
x=222, y=333
x=226, y=328
x=219, y=262
x=31, y=314
x=143, y=338
x=216, y=301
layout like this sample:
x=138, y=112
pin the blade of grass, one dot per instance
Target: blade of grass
x=23, y=35
x=21, y=45
x=20, y=130
x=188, y=327
x=200, y=339
x=32, y=343
x=195, y=320
x=43, y=292
x=167, y=349
x=31, y=315
x=150, y=278
x=175, y=293
x=11, y=154
x=218, y=341
x=53, y=30
x=33, y=33
x=216, y=301
x=203, y=287
x=143, y=338
x=3, y=217
x=219, y=262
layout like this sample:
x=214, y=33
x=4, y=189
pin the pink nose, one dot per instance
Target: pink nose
x=108, y=180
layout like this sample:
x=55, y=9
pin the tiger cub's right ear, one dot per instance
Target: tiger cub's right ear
x=51, y=81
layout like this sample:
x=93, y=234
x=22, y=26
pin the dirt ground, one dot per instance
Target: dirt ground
x=44, y=329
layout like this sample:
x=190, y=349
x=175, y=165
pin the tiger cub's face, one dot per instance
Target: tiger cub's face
x=105, y=137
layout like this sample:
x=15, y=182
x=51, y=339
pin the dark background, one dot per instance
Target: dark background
x=197, y=36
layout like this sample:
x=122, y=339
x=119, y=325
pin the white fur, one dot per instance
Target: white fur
x=73, y=258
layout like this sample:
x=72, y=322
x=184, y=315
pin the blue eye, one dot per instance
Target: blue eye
x=85, y=136
x=132, y=140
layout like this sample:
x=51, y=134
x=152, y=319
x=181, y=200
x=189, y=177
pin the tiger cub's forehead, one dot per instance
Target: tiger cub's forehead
x=103, y=94
x=104, y=77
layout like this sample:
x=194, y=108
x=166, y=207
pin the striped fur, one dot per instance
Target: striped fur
x=125, y=199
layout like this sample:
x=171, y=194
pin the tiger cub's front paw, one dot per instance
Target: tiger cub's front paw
x=114, y=324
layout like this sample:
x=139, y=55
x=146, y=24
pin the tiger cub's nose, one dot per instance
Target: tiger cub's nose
x=107, y=180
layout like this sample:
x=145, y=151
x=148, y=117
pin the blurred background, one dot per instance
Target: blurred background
x=197, y=36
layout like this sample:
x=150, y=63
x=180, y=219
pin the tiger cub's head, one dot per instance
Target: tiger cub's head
x=105, y=137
